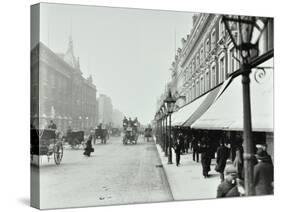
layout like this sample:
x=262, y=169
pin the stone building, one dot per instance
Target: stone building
x=59, y=92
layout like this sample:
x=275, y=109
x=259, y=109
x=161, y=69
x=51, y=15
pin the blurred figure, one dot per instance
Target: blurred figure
x=229, y=187
x=205, y=157
x=177, y=148
x=89, y=148
x=263, y=173
x=195, y=149
x=52, y=125
x=222, y=156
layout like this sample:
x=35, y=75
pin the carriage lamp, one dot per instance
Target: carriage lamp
x=245, y=33
x=170, y=104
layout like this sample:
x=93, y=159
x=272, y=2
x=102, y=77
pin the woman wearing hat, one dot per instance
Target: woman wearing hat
x=263, y=173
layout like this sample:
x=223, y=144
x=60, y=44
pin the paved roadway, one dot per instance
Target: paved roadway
x=114, y=174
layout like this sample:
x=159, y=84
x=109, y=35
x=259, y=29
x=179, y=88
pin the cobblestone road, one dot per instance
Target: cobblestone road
x=114, y=174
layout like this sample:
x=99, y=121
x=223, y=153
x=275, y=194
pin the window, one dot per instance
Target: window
x=197, y=61
x=222, y=69
x=207, y=47
x=213, y=75
x=233, y=63
x=207, y=81
x=213, y=39
x=201, y=55
x=202, y=85
x=193, y=91
x=197, y=88
x=193, y=67
x=221, y=29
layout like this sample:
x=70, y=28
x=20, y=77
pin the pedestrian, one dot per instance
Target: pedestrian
x=230, y=186
x=52, y=125
x=205, y=157
x=89, y=148
x=181, y=141
x=222, y=156
x=177, y=148
x=239, y=161
x=263, y=173
x=195, y=149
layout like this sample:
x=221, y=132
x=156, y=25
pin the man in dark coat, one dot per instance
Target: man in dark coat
x=263, y=174
x=205, y=157
x=222, y=156
x=89, y=148
x=177, y=148
x=195, y=149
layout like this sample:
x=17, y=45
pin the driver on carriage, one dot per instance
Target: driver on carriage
x=52, y=125
x=135, y=124
x=125, y=122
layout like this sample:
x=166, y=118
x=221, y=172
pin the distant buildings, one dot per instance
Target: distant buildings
x=117, y=118
x=105, y=109
x=59, y=92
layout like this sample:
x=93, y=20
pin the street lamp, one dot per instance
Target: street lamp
x=245, y=32
x=170, y=104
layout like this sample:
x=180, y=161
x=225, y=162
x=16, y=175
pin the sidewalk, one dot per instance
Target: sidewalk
x=186, y=181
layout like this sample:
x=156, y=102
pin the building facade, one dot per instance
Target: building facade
x=207, y=57
x=105, y=109
x=59, y=92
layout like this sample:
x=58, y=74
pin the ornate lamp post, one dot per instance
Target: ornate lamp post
x=245, y=32
x=170, y=103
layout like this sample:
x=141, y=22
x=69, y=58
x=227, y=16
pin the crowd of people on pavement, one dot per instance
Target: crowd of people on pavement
x=229, y=160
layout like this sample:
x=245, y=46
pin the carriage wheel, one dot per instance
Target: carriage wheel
x=58, y=153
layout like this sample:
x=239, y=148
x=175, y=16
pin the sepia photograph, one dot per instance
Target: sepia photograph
x=133, y=106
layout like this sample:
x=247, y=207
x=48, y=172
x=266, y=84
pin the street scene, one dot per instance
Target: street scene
x=138, y=106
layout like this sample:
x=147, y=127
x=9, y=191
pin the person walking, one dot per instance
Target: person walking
x=195, y=149
x=263, y=173
x=239, y=161
x=205, y=157
x=89, y=148
x=222, y=156
x=177, y=148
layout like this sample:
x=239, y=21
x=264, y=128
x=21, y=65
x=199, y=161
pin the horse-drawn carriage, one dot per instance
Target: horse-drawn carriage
x=45, y=142
x=130, y=135
x=75, y=139
x=148, y=133
x=101, y=134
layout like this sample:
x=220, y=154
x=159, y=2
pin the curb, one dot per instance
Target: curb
x=158, y=148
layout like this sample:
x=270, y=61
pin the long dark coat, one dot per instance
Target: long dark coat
x=263, y=177
x=206, y=159
x=222, y=156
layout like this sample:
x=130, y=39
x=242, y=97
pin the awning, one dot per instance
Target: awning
x=226, y=113
x=191, y=112
x=210, y=97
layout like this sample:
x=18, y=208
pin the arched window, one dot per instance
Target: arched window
x=213, y=39
x=207, y=47
x=222, y=69
x=221, y=29
x=213, y=75
x=202, y=89
x=207, y=81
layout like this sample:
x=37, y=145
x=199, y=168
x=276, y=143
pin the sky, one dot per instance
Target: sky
x=128, y=52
